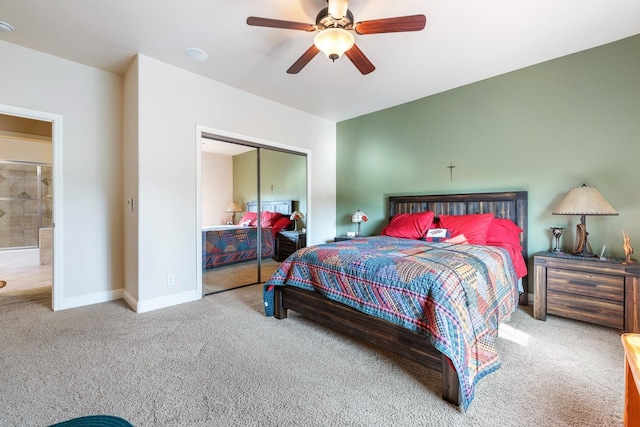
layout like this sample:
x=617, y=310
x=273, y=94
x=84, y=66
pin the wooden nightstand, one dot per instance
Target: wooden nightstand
x=342, y=238
x=287, y=242
x=606, y=293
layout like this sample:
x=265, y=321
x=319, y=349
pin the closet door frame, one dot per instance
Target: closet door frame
x=224, y=136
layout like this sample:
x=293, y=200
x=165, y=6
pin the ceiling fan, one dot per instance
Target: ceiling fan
x=335, y=26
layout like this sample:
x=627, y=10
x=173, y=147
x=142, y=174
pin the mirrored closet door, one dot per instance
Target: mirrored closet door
x=283, y=188
x=249, y=195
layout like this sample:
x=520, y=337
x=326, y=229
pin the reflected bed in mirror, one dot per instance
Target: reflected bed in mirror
x=232, y=244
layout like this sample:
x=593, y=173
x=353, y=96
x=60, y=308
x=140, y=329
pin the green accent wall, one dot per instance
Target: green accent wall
x=543, y=129
x=245, y=178
x=286, y=172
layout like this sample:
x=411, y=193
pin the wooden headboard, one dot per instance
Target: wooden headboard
x=284, y=207
x=510, y=205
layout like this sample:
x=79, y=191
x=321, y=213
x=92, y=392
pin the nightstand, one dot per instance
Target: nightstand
x=606, y=293
x=287, y=242
x=342, y=238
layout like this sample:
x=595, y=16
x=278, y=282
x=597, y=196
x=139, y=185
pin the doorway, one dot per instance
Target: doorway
x=258, y=181
x=30, y=147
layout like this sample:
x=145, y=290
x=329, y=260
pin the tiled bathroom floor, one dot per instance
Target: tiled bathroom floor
x=26, y=278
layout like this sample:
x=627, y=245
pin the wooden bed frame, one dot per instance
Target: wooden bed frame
x=410, y=344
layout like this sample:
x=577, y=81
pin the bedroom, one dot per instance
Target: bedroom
x=147, y=150
x=515, y=125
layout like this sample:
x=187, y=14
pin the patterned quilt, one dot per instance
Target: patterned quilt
x=231, y=245
x=456, y=295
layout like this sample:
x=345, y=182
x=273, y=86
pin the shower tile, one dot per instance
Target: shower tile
x=46, y=237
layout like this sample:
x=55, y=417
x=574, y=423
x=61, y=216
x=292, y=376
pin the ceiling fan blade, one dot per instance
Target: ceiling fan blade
x=358, y=58
x=391, y=25
x=277, y=23
x=303, y=60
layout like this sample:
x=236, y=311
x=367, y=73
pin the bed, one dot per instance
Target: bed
x=385, y=313
x=232, y=244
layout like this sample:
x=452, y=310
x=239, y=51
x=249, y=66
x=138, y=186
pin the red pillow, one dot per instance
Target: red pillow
x=503, y=231
x=470, y=229
x=281, y=223
x=248, y=219
x=409, y=226
x=267, y=219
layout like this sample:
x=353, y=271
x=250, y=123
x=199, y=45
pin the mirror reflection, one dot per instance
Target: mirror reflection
x=254, y=212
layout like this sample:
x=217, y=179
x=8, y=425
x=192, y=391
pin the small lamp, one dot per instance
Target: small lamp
x=584, y=200
x=234, y=207
x=359, y=216
x=295, y=216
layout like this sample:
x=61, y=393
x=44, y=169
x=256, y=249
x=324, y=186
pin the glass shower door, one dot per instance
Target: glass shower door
x=20, y=207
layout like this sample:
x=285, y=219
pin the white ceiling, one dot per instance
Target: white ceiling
x=464, y=41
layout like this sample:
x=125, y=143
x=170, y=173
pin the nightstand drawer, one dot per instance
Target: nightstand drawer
x=601, y=286
x=287, y=242
x=586, y=309
x=288, y=246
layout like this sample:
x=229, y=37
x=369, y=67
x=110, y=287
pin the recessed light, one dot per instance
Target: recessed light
x=5, y=27
x=195, y=53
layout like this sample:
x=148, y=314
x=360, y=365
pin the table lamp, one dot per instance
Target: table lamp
x=295, y=216
x=234, y=207
x=584, y=200
x=358, y=217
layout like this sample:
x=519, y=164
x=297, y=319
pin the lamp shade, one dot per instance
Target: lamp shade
x=333, y=42
x=296, y=215
x=584, y=200
x=359, y=216
x=234, y=207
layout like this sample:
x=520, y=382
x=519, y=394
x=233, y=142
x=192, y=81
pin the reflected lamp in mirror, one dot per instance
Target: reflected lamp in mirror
x=359, y=217
x=584, y=200
x=235, y=208
x=295, y=216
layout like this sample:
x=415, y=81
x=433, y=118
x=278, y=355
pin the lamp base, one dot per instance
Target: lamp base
x=582, y=246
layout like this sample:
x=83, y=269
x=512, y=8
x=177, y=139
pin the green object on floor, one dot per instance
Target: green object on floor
x=95, y=421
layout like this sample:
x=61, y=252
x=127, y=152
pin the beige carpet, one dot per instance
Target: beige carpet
x=220, y=362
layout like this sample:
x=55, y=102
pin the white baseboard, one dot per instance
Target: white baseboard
x=162, y=302
x=66, y=303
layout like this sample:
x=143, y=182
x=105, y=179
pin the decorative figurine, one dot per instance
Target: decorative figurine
x=557, y=232
x=628, y=249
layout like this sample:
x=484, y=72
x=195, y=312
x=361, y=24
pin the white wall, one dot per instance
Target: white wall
x=172, y=102
x=130, y=182
x=90, y=101
x=155, y=119
x=217, y=188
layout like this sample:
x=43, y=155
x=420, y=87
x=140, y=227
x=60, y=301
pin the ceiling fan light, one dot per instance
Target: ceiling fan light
x=338, y=8
x=334, y=42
